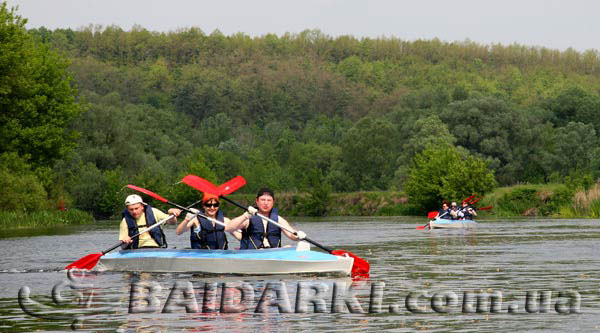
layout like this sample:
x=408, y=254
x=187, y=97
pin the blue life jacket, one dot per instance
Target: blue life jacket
x=156, y=233
x=443, y=212
x=467, y=215
x=209, y=237
x=253, y=236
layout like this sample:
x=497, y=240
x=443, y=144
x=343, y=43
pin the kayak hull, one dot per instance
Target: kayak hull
x=237, y=262
x=452, y=224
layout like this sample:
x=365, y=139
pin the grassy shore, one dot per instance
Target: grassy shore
x=43, y=219
x=551, y=200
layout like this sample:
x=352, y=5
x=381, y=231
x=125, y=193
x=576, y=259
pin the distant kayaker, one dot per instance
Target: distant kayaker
x=453, y=211
x=444, y=212
x=466, y=212
x=137, y=216
x=257, y=232
x=206, y=234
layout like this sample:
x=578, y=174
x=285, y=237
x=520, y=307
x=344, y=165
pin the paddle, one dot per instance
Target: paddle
x=187, y=209
x=88, y=262
x=360, y=266
x=431, y=216
x=474, y=201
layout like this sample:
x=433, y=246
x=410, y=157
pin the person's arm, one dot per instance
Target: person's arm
x=473, y=212
x=124, y=232
x=290, y=235
x=175, y=212
x=237, y=234
x=240, y=222
x=159, y=215
x=189, y=221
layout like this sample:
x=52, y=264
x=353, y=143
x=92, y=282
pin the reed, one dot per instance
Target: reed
x=587, y=203
x=43, y=218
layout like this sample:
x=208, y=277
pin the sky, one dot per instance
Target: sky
x=556, y=24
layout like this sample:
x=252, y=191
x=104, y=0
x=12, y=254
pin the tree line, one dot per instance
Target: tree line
x=298, y=112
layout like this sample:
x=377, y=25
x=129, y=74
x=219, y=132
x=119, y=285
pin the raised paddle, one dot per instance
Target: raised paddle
x=230, y=186
x=360, y=267
x=187, y=209
x=88, y=262
x=474, y=201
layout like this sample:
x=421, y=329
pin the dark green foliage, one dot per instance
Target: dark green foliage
x=575, y=104
x=366, y=151
x=562, y=196
x=506, y=135
x=318, y=202
x=21, y=188
x=519, y=200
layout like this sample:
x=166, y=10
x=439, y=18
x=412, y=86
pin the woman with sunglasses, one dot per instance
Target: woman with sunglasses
x=206, y=234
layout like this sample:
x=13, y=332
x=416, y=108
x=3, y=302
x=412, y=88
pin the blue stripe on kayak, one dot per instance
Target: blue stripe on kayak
x=272, y=254
x=448, y=221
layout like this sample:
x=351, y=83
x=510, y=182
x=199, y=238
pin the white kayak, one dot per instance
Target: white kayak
x=451, y=224
x=287, y=260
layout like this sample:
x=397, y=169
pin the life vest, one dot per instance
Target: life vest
x=209, y=237
x=466, y=214
x=253, y=236
x=156, y=233
x=444, y=213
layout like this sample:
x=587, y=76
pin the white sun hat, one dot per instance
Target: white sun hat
x=134, y=199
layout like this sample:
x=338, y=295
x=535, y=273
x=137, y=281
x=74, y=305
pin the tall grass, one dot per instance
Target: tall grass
x=43, y=218
x=587, y=203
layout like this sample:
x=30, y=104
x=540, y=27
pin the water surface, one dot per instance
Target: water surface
x=555, y=258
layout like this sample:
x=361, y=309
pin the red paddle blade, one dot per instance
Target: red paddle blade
x=469, y=198
x=360, y=267
x=472, y=202
x=200, y=184
x=88, y=262
x=231, y=185
x=421, y=227
x=485, y=208
x=148, y=192
x=432, y=215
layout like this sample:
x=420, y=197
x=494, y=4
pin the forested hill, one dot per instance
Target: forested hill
x=304, y=111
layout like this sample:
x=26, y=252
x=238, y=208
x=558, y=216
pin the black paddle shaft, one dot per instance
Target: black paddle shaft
x=305, y=238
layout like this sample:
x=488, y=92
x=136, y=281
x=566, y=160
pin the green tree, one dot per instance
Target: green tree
x=425, y=132
x=442, y=173
x=36, y=98
x=21, y=188
x=575, y=104
x=501, y=132
x=369, y=152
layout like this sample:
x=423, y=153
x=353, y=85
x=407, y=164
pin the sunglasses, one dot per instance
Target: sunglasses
x=215, y=205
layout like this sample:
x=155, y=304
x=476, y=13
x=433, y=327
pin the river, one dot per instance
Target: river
x=537, y=274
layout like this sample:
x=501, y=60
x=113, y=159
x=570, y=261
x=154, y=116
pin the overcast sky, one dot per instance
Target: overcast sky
x=558, y=24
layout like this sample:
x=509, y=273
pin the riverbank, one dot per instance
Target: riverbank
x=43, y=219
x=548, y=200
